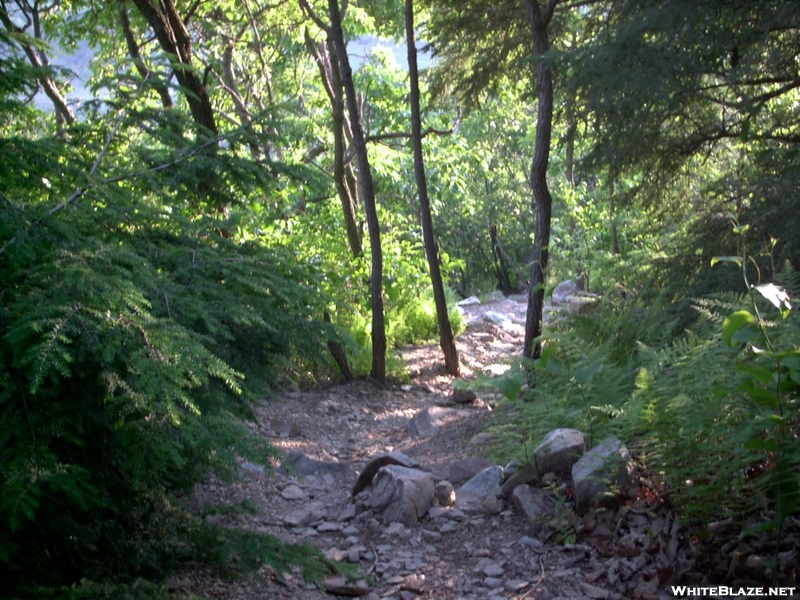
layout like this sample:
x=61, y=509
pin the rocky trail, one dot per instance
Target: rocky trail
x=489, y=548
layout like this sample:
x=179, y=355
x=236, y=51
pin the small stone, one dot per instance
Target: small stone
x=407, y=595
x=327, y=526
x=464, y=396
x=340, y=586
x=348, y=513
x=515, y=586
x=293, y=492
x=529, y=542
x=394, y=529
x=493, y=570
x=492, y=582
x=351, y=530
x=353, y=555
x=448, y=527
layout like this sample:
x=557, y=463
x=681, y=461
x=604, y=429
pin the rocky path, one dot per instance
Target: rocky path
x=450, y=554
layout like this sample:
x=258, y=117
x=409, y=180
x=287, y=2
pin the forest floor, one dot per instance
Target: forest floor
x=624, y=553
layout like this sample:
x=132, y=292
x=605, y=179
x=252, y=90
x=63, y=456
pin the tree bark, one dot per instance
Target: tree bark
x=446, y=339
x=368, y=192
x=174, y=39
x=343, y=175
x=613, y=209
x=133, y=52
x=539, y=19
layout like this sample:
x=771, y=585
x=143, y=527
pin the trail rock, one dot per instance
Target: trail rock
x=564, y=290
x=305, y=515
x=473, y=495
x=427, y=421
x=560, y=449
x=602, y=472
x=298, y=463
x=465, y=469
x=401, y=494
x=534, y=503
x=339, y=586
x=464, y=396
x=471, y=301
x=526, y=474
x=372, y=467
x=293, y=492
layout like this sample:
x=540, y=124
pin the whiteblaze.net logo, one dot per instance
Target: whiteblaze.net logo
x=727, y=591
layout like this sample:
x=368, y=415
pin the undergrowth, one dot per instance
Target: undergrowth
x=712, y=412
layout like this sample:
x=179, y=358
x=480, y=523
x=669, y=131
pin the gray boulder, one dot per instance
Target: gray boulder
x=374, y=465
x=564, y=291
x=480, y=493
x=534, y=503
x=402, y=495
x=560, y=449
x=601, y=474
x=471, y=301
x=464, y=469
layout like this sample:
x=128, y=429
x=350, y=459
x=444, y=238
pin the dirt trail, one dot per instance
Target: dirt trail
x=469, y=557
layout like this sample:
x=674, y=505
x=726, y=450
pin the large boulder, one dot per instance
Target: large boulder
x=402, y=495
x=560, y=449
x=564, y=290
x=480, y=494
x=601, y=474
x=374, y=465
x=464, y=469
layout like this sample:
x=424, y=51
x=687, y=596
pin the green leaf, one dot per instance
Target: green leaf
x=746, y=334
x=734, y=323
x=510, y=383
x=757, y=373
x=770, y=445
x=741, y=229
x=730, y=259
x=764, y=397
x=584, y=374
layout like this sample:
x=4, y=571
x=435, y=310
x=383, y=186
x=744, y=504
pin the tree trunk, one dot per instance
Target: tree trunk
x=39, y=60
x=343, y=176
x=539, y=19
x=133, y=52
x=368, y=192
x=446, y=339
x=613, y=208
x=500, y=264
x=175, y=40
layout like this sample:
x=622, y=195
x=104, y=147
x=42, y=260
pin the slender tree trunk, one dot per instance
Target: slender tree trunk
x=613, y=207
x=343, y=176
x=446, y=339
x=539, y=19
x=368, y=192
x=38, y=59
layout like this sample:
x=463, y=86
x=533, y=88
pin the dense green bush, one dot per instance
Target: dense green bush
x=133, y=339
